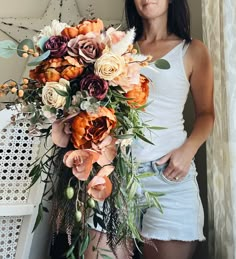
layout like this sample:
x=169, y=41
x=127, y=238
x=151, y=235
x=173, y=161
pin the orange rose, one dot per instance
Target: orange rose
x=87, y=128
x=139, y=93
x=51, y=70
x=100, y=187
x=81, y=162
x=70, y=32
x=90, y=26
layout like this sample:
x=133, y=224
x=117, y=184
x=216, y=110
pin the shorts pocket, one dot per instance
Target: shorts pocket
x=159, y=169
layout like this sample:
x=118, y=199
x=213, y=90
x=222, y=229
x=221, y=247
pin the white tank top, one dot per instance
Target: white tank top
x=167, y=97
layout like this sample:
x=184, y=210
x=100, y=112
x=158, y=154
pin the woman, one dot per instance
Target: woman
x=163, y=31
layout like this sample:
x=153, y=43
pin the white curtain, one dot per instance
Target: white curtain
x=219, y=34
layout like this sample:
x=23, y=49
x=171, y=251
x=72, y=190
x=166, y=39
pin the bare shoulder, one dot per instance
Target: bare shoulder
x=198, y=51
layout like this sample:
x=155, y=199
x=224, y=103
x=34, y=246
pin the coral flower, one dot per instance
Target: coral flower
x=81, y=162
x=139, y=93
x=92, y=127
x=106, y=149
x=100, y=187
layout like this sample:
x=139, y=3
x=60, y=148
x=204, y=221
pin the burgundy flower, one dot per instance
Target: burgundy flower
x=95, y=86
x=57, y=46
x=87, y=47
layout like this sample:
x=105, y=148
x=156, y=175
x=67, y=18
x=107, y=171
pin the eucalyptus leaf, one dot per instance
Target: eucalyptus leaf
x=42, y=42
x=40, y=58
x=162, y=64
x=27, y=42
x=7, y=48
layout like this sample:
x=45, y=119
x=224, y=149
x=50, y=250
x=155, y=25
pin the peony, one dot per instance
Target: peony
x=139, y=93
x=100, y=187
x=57, y=46
x=95, y=86
x=51, y=70
x=87, y=47
x=52, y=98
x=87, y=128
x=109, y=66
x=114, y=35
x=81, y=162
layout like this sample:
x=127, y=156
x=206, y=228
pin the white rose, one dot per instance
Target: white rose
x=109, y=66
x=49, y=95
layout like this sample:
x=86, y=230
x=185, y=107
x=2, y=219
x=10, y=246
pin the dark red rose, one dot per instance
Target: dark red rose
x=57, y=46
x=95, y=86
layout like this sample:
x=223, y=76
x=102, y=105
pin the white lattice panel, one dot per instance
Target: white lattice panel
x=9, y=235
x=17, y=151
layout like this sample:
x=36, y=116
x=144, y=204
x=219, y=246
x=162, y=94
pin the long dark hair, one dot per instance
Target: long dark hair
x=178, y=19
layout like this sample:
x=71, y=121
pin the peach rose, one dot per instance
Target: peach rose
x=100, y=187
x=109, y=66
x=81, y=162
x=139, y=93
x=87, y=128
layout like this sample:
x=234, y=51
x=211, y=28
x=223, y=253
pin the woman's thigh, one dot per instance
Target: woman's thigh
x=169, y=250
x=98, y=246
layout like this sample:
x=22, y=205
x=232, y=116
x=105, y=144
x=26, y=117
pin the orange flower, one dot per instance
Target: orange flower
x=81, y=162
x=90, y=26
x=139, y=93
x=70, y=32
x=83, y=28
x=51, y=70
x=100, y=187
x=106, y=149
x=87, y=128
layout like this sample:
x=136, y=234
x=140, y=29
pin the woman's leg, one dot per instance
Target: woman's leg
x=170, y=250
x=99, y=241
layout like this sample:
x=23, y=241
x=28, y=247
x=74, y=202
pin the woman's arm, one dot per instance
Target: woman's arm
x=201, y=81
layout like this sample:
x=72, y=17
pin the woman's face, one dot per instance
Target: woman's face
x=151, y=9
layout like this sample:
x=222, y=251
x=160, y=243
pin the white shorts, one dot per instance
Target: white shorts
x=182, y=218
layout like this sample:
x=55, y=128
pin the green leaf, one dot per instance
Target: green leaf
x=26, y=42
x=84, y=245
x=162, y=64
x=7, y=48
x=124, y=136
x=156, y=127
x=40, y=58
x=35, y=170
x=104, y=256
x=143, y=138
x=61, y=92
x=133, y=190
x=42, y=42
x=39, y=217
x=144, y=175
x=70, y=251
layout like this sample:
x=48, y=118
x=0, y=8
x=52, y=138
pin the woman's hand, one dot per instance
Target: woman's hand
x=179, y=163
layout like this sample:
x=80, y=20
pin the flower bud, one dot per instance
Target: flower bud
x=70, y=192
x=91, y=203
x=21, y=93
x=78, y=216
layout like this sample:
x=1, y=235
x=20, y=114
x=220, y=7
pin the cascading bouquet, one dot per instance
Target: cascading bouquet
x=85, y=92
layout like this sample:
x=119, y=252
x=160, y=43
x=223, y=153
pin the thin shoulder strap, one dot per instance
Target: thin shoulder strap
x=185, y=48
